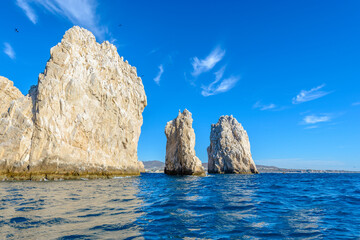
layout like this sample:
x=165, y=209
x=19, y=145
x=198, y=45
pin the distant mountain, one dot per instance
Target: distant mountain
x=205, y=165
x=272, y=169
x=158, y=167
x=154, y=166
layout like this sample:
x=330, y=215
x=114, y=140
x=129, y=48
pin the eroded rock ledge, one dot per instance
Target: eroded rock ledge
x=229, y=150
x=83, y=119
x=180, y=147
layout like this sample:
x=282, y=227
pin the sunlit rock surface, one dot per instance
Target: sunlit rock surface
x=8, y=93
x=229, y=150
x=180, y=147
x=87, y=110
x=16, y=128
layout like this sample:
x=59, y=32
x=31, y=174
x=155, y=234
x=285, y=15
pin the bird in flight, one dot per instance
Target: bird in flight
x=16, y=30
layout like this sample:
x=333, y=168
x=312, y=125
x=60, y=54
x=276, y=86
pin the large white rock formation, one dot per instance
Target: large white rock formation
x=180, y=147
x=83, y=118
x=229, y=150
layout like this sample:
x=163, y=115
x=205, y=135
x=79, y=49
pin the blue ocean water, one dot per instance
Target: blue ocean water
x=156, y=206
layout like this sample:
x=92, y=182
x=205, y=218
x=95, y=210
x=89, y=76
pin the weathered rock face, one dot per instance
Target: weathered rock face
x=229, y=150
x=141, y=166
x=180, y=147
x=16, y=128
x=8, y=93
x=87, y=111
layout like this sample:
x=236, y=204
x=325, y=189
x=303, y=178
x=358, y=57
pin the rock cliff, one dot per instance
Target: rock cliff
x=16, y=128
x=83, y=119
x=180, y=147
x=8, y=93
x=229, y=150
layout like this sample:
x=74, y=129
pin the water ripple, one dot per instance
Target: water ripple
x=156, y=206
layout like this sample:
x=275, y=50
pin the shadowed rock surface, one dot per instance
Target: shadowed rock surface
x=180, y=147
x=229, y=150
x=83, y=119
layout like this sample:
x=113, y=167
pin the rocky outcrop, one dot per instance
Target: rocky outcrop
x=180, y=147
x=141, y=166
x=16, y=128
x=229, y=150
x=83, y=118
x=8, y=93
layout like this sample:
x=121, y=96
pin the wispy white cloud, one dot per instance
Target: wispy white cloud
x=312, y=127
x=309, y=95
x=313, y=119
x=203, y=65
x=224, y=86
x=8, y=50
x=78, y=12
x=219, y=85
x=153, y=51
x=158, y=76
x=207, y=90
x=356, y=104
x=219, y=74
x=264, y=107
x=30, y=13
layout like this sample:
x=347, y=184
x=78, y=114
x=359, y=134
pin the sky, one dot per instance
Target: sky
x=288, y=71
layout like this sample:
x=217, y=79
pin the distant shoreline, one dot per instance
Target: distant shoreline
x=156, y=166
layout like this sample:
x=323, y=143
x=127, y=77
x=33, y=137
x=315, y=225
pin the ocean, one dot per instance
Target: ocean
x=157, y=206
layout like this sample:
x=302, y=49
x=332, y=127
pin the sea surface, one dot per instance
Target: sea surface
x=156, y=206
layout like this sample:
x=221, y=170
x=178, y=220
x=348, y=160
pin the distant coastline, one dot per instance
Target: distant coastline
x=156, y=166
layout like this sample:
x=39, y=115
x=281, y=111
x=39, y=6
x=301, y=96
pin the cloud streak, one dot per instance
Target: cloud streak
x=204, y=65
x=219, y=85
x=80, y=12
x=8, y=50
x=313, y=119
x=158, y=76
x=30, y=13
x=309, y=95
x=264, y=107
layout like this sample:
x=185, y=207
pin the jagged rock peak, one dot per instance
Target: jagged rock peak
x=229, y=150
x=8, y=93
x=180, y=147
x=86, y=113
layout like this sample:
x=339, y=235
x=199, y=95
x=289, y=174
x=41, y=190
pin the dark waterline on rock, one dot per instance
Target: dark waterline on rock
x=152, y=206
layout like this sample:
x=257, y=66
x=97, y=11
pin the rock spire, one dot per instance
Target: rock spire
x=180, y=147
x=229, y=150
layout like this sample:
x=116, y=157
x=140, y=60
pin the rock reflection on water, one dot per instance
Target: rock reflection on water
x=70, y=209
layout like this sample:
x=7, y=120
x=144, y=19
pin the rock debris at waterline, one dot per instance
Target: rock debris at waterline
x=83, y=119
x=229, y=150
x=180, y=147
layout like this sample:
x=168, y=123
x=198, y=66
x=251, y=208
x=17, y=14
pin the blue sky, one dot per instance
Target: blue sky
x=287, y=70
